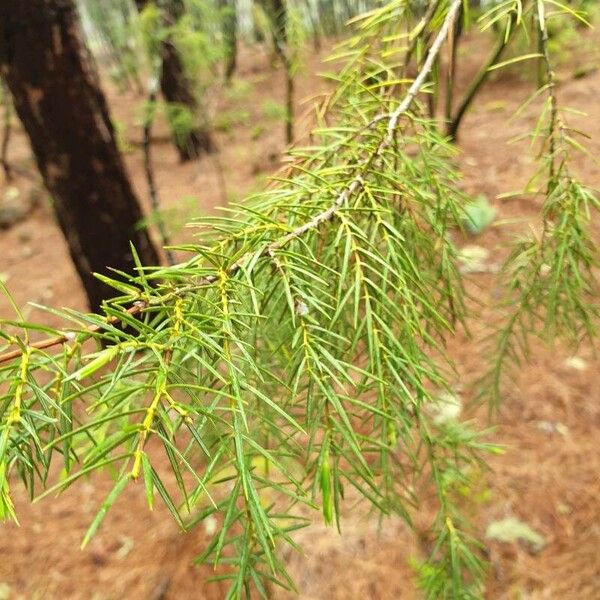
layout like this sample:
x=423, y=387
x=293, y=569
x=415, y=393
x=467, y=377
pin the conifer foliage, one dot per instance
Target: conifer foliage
x=286, y=365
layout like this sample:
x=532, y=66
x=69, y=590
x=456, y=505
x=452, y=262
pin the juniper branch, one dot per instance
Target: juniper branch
x=314, y=223
x=551, y=278
x=268, y=383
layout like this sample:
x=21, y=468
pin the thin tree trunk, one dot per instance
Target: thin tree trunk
x=479, y=79
x=229, y=27
x=57, y=97
x=6, y=132
x=277, y=12
x=451, y=68
x=151, y=181
x=177, y=89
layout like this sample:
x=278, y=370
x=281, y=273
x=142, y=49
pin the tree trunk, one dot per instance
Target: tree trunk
x=177, y=90
x=277, y=11
x=229, y=28
x=57, y=96
x=6, y=131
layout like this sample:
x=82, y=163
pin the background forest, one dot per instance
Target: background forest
x=299, y=299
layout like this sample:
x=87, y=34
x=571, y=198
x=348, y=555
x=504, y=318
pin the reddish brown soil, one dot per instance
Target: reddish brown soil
x=548, y=477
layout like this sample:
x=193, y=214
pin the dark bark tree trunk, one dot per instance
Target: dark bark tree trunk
x=277, y=12
x=6, y=132
x=176, y=88
x=57, y=96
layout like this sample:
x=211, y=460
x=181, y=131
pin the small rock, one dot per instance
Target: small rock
x=445, y=409
x=563, y=509
x=512, y=530
x=127, y=545
x=12, y=209
x=4, y=591
x=210, y=525
x=551, y=428
x=576, y=363
x=472, y=259
x=47, y=294
x=11, y=193
x=25, y=234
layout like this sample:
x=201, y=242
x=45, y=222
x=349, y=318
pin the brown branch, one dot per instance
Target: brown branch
x=67, y=336
x=455, y=35
x=555, y=125
x=481, y=77
x=324, y=216
x=41, y=345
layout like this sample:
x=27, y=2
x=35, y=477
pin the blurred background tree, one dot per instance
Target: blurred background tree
x=57, y=96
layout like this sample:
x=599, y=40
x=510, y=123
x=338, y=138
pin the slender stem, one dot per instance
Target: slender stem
x=146, y=426
x=556, y=133
x=481, y=77
x=289, y=104
x=451, y=69
x=278, y=20
x=67, y=336
x=149, y=170
x=554, y=124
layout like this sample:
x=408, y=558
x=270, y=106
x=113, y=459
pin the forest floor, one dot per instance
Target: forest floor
x=548, y=477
